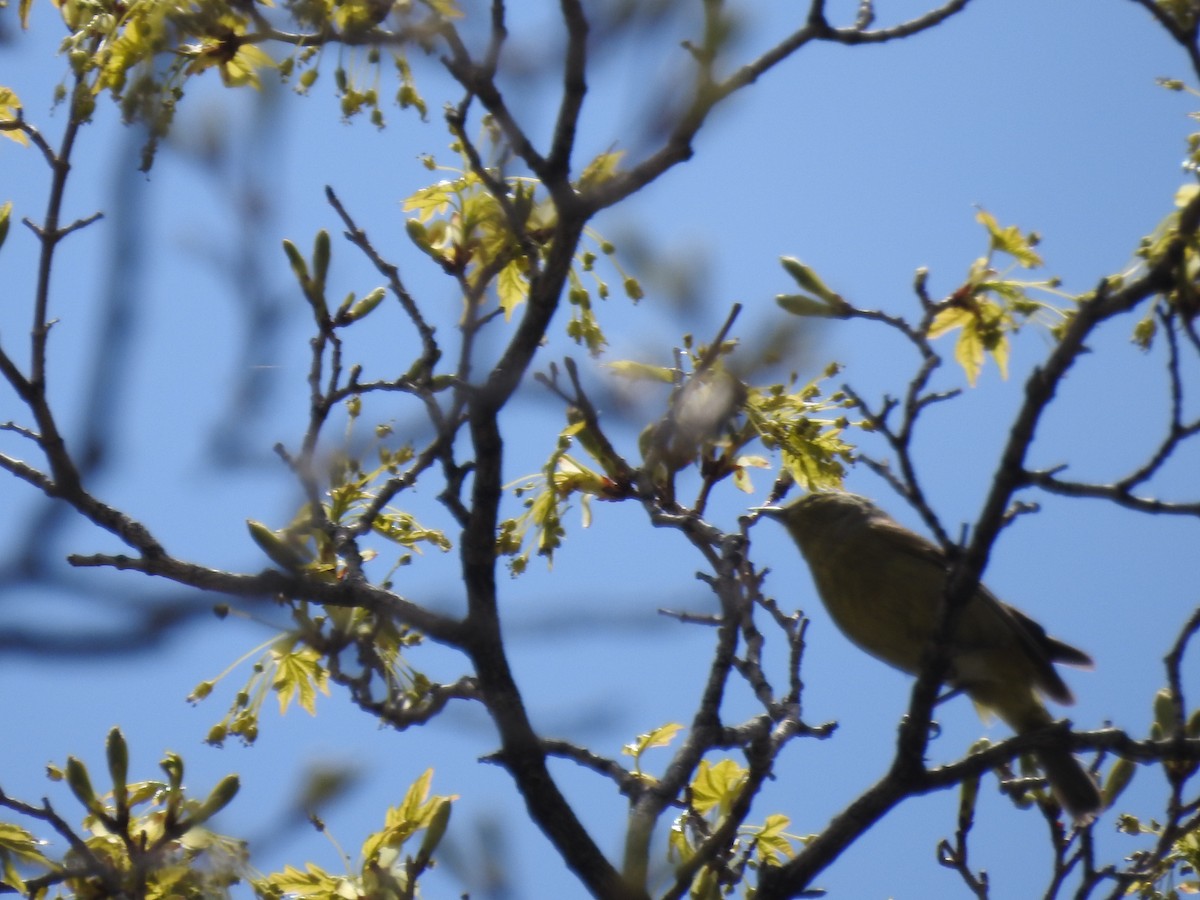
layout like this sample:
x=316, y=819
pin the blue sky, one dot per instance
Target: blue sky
x=866, y=163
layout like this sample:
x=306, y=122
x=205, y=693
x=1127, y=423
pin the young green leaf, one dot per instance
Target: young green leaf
x=5, y=217
x=717, y=785
x=366, y=305
x=10, y=111
x=299, y=674
x=642, y=371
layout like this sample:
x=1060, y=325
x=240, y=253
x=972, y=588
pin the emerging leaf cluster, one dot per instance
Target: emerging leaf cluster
x=709, y=798
x=1182, y=298
x=990, y=305
x=141, y=839
x=296, y=666
x=544, y=498
x=492, y=232
x=148, y=839
x=712, y=794
x=308, y=543
x=116, y=47
x=290, y=669
x=798, y=424
x=385, y=872
x=1172, y=876
x=1174, y=873
x=985, y=309
x=142, y=53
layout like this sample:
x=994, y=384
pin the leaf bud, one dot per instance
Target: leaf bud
x=216, y=801
x=1118, y=779
x=438, y=822
x=299, y=266
x=277, y=549
x=322, y=251
x=117, y=751
x=367, y=304
x=1164, y=710
x=80, y=783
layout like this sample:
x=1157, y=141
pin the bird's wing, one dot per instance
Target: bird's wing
x=909, y=542
x=1041, y=650
x=1056, y=650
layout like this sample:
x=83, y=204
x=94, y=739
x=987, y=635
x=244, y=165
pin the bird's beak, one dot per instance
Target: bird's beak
x=770, y=512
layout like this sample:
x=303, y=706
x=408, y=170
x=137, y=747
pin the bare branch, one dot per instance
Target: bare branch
x=558, y=162
x=431, y=352
x=628, y=783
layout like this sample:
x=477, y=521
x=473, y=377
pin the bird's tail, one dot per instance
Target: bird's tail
x=1073, y=787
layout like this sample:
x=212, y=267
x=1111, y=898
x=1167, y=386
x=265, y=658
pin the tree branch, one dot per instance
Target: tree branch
x=273, y=583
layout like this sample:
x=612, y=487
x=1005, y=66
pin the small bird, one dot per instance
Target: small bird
x=882, y=585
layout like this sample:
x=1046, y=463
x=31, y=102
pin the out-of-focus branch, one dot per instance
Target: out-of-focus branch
x=479, y=81
x=1183, y=33
x=274, y=583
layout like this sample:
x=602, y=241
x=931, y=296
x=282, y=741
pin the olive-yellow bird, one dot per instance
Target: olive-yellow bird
x=883, y=586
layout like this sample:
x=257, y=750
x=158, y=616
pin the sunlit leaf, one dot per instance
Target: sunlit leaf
x=717, y=785
x=312, y=882
x=432, y=200
x=1010, y=240
x=512, y=287
x=600, y=169
x=659, y=737
x=416, y=811
x=10, y=110
x=299, y=674
x=245, y=65
x=983, y=325
x=772, y=842
x=19, y=843
x=795, y=423
x=643, y=371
